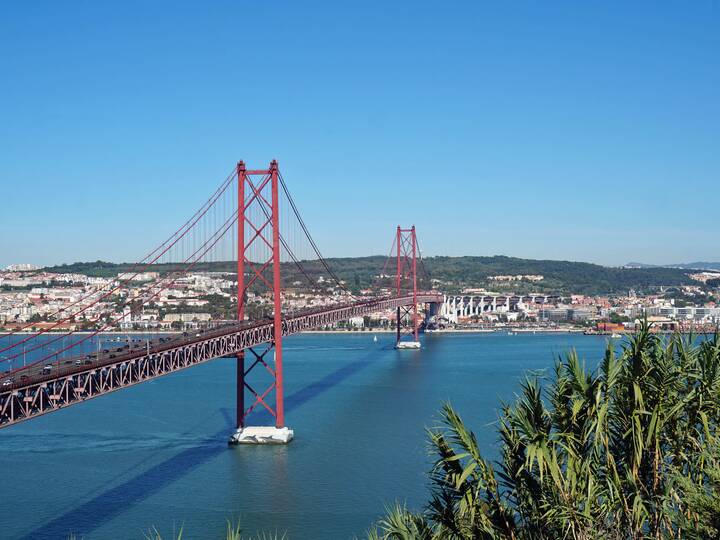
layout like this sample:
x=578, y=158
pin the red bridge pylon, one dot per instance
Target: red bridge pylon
x=407, y=323
x=258, y=250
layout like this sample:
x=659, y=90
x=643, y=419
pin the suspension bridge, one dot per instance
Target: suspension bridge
x=252, y=221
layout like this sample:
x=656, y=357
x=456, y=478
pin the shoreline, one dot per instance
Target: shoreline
x=510, y=331
x=457, y=331
x=4, y=333
x=373, y=331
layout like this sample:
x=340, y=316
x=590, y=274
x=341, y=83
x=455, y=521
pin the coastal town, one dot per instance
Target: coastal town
x=34, y=299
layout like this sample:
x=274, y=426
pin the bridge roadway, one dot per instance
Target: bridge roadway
x=34, y=391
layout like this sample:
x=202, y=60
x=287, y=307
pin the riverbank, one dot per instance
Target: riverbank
x=334, y=331
x=459, y=331
x=105, y=333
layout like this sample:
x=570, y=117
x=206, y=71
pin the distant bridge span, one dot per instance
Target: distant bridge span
x=35, y=392
x=468, y=305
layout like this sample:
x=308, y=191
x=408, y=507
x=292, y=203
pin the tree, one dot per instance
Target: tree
x=704, y=520
x=629, y=450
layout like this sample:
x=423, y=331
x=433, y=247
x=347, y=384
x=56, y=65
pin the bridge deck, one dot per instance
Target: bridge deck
x=35, y=391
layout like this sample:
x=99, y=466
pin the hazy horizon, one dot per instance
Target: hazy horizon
x=670, y=264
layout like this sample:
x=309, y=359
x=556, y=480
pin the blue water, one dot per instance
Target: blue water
x=156, y=454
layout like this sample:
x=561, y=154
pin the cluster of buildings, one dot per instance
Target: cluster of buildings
x=150, y=301
x=21, y=268
x=28, y=295
x=678, y=308
x=518, y=277
x=36, y=299
x=132, y=301
x=704, y=277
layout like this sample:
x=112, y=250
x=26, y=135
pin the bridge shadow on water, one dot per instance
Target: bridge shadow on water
x=102, y=508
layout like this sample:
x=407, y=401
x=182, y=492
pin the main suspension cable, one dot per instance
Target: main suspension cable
x=187, y=226
x=135, y=266
x=214, y=239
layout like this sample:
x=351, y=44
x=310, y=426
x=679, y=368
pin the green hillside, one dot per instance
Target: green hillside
x=562, y=277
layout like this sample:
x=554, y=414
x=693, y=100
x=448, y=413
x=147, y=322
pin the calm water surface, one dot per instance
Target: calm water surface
x=156, y=454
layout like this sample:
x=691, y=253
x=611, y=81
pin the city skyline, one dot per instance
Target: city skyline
x=584, y=133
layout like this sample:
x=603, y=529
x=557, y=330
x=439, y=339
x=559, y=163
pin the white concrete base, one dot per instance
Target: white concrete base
x=408, y=345
x=262, y=435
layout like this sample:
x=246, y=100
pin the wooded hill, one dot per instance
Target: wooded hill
x=454, y=273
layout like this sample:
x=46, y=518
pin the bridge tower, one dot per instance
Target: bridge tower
x=258, y=255
x=406, y=276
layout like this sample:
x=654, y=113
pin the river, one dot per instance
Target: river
x=155, y=455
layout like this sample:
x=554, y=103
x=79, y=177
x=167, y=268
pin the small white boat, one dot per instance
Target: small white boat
x=374, y=339
x=616, y=336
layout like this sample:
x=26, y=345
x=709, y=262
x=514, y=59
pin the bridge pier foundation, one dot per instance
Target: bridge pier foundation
x=262, y=435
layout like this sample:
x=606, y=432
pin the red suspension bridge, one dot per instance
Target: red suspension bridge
x=250, y=219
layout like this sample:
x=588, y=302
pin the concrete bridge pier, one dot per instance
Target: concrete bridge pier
x=262, y=435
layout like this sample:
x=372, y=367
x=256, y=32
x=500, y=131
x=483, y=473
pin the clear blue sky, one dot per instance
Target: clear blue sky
x=564, y=130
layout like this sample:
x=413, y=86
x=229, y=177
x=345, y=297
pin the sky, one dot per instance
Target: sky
x=555, y=130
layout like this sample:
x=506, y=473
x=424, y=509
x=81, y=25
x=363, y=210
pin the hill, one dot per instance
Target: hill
x=455, y=273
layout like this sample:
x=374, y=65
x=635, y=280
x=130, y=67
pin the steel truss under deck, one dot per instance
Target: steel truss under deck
x=69, y=385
